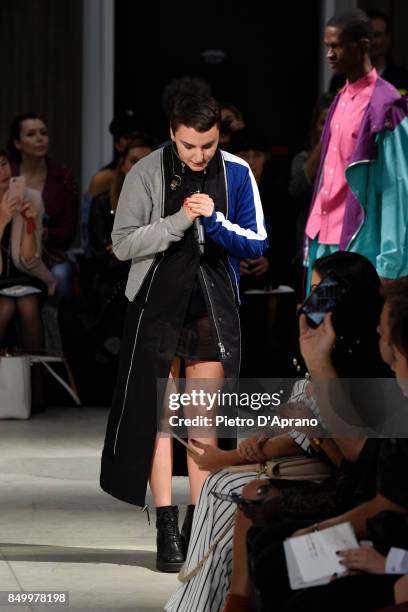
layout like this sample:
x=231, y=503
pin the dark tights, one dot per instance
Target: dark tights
x=27, y=309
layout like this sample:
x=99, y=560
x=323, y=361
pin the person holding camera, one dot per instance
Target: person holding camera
x=186, y=214
x=23, y=276
x=55, y=186
x=215, y=572
x=370, y=578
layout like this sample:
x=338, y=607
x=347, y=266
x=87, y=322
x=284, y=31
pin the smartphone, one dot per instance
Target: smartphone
x=16, y=187
x=235, y=498
x=324, y=298
x=184, y=443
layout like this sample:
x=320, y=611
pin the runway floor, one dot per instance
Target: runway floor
x=60, y=532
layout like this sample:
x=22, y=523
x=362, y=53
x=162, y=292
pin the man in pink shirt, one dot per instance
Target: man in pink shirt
x=346, y=214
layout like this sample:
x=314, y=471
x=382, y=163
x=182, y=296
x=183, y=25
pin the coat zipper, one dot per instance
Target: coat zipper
x=133, y=353
x=239, y=322
x=220, y=344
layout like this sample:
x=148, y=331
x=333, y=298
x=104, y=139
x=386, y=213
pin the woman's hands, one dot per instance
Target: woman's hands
x=212, y=459
x=29, y=214
x=198, y=205
x=317, y=344
x=363, y=559
x=254, y=267
x=8, y=208
x=251, y=449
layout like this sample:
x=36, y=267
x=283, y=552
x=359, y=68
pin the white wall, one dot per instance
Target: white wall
x=97, y=85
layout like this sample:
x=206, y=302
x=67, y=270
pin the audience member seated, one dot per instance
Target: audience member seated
x=123, y=127
x=24, y=279
x=231, y=120
x=304, y=168
x=28, y=146
x=252, y=147
x=212, y=548
x=94, y=326
x=267, y=315
x=110, y=273
x=373, y=519
x=380, y=46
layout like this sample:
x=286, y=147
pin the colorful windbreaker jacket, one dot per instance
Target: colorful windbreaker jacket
x=376, y=213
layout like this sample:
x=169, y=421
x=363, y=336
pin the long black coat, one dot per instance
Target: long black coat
x=151, y=334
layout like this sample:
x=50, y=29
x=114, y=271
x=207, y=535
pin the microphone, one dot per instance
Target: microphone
x=199, y=233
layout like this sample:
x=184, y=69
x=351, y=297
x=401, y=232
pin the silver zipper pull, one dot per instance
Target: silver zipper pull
x=222, y=350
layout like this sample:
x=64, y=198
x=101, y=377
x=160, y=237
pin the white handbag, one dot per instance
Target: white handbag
x=15, y=387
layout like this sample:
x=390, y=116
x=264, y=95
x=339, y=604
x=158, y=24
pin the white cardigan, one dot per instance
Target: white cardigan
x=35, y=266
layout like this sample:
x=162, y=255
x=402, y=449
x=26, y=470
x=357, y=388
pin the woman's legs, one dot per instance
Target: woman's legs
x=28, y=308
x=162, y=465
x=7, y=312
x=170, y=556
x=210, y=374
x=401, y=590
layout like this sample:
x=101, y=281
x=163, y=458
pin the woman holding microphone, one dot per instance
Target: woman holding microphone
x=186, y=214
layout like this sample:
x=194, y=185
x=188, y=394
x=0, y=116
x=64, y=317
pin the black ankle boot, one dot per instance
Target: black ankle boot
x=186, y=528
x=170, y=556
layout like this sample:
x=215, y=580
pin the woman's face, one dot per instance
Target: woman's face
x=5, y=174
x=33, y=140
x=195, y=149
x=133, y=156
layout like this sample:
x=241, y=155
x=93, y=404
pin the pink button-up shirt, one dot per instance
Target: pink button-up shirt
x=326, y=217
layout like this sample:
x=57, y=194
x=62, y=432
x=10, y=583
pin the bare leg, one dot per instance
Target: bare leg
x=31, y=325
x=212, y=374
x=7, y=312
x=401, y=590
x=162, y=466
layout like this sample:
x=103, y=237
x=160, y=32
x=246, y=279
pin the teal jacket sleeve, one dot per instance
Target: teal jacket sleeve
x=392, y=260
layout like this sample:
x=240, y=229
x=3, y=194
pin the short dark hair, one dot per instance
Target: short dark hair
x=15, y=129
x=380, y=15
x=396, y=296
x=198, y=112
x=354, y=25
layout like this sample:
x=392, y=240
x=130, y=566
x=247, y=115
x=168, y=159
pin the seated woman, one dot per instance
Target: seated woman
x=107, y=297
x=109, y=270
x=55, y=185
x=368, y=593
x=383, y=519
x=210, y=554
x=23, y=275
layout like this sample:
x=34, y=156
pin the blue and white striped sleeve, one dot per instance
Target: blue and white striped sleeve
x=246, y=237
